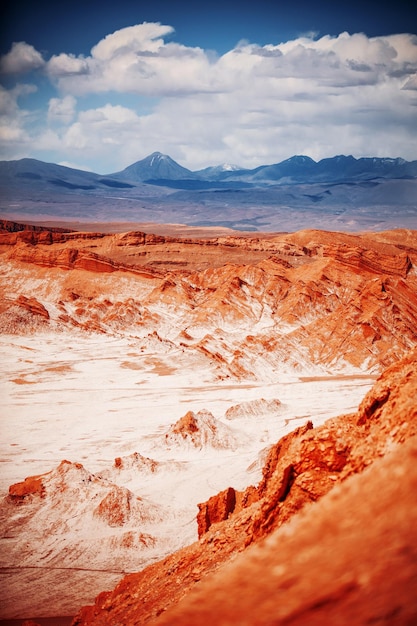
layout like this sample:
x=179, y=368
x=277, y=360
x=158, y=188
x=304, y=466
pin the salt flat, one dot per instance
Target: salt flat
x=89, y=398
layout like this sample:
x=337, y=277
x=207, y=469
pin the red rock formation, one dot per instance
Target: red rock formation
x=67, y=258
x=33, y=306
x=201, y=429
x=7, y=226
x=253, y=408
x=31, y=486
x=349, y=559
x=216, y=509
x=371, y=260
x=115, y=507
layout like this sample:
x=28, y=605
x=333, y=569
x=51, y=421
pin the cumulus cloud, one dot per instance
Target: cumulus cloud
x=21, y=59
x=255, y=104
x=15, y=141
x=134, y=60
x=97, y=131
x=67, y=65
x=62, y=110
x=146, y=37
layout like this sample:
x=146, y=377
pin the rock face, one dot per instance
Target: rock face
x=309, y=298
x=253, y=409
x=216, y=509
x=32, y=306
x=68, y=259
x=24, y=491
x=328, y=499
x=349, y=559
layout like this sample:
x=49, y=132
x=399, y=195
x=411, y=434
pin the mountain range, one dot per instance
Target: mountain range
x=354, y=194
x=159, y=168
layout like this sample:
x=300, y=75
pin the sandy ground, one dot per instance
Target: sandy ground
x=90, y=398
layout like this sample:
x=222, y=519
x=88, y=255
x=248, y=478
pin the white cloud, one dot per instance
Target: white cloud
x=15, y=141
x=22, y=58
x=255, y=104
x=146, y=37
x=96, y=131
x=62, y=110
x=135, y=60
x=67, y=65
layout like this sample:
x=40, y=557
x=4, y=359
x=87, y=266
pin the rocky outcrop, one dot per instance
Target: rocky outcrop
x=33, y=306
x=67, y=258
x=26, y=490
x=396, y=264
x=7, y=226
x=115, y=507
x=201, y=429
x=349, y=559
x=74, y=259
x=216, y=509
x=340, y=548
x=12, y=233
x=46, y=484
x=63, y=509
x=253, y=409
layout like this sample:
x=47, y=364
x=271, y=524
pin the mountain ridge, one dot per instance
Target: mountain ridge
x=339, y=193
x=159, y=166
x=299, y=168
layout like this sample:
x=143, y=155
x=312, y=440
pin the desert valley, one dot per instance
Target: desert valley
x=208, y=314
x=219, y=426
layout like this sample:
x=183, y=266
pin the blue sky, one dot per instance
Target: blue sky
x=101, y=85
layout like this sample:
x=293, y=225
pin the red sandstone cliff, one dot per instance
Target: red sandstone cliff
x=309, y=297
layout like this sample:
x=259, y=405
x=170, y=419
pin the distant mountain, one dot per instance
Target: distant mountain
x=154, y=167
x=34, y=173
x=160, y=169
x=303, y=169
x=219, y=172
x=350, y=193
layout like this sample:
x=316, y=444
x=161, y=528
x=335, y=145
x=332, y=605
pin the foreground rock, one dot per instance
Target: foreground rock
x=348, y=557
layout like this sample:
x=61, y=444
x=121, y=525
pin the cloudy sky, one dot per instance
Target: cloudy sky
x=99, y=85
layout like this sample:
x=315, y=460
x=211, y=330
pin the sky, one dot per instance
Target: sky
x=100, y=85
